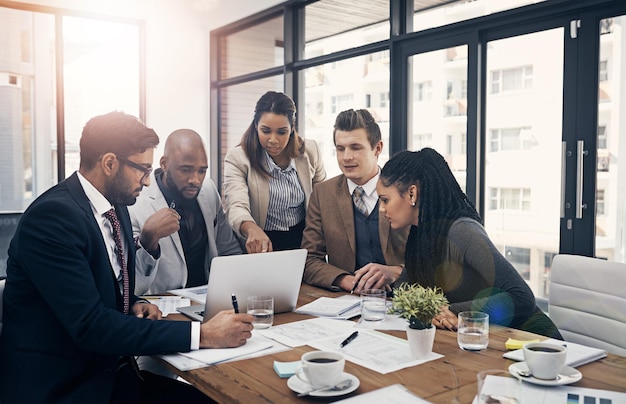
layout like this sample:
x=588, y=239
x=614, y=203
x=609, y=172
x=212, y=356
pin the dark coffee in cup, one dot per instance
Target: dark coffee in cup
x=543, y=349
x=323, y=360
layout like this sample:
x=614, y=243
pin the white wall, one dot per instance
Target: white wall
x=177, y=52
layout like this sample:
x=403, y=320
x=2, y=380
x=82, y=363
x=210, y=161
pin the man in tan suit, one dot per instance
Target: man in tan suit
x=345, y=252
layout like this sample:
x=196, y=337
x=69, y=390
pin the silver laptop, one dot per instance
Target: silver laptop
x=277, y=274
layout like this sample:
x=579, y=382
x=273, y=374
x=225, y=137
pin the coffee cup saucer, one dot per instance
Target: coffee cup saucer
x=300, y=386
x=568, y=375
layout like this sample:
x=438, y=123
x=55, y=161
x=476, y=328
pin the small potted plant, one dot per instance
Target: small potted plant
x=418, y=305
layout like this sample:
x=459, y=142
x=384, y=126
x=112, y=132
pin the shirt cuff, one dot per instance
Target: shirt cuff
x=195, y=336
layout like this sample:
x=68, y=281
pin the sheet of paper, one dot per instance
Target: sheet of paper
x=394, y=394
x=534, y=394
x=391, y=322
x=185, y=363
x=213, y=356
x=300, y=333
x=331, y=307
x=375, y=350
x=196, y=294
x=168, y=304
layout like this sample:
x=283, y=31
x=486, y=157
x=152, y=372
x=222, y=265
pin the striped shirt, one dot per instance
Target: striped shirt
x=286, y=206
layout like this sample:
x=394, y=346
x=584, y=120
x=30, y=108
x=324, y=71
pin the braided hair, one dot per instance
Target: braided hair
x=441, y=202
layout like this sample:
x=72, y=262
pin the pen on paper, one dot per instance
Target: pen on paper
x=349, y=339
x=235, y=304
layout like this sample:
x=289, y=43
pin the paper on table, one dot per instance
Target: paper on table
x=396, y=393
x=217, y=355
x=391, y=322
x=577, y=354
x=375, y=350
x=168, y=304
x=533, y=394
x=329, y=306
x=184, y=363
x=197, y=294
x=300, y=333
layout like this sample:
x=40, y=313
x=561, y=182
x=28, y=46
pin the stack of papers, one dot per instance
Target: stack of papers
x=337, y=307
x=577, y=355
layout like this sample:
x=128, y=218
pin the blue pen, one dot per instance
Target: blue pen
x=235, y=304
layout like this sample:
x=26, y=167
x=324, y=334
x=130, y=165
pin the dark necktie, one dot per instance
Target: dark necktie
x=119, y=252
x=357, y=198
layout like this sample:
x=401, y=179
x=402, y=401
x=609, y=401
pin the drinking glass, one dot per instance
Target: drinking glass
x=262, y=310
x=373, y=305
x=473, y=330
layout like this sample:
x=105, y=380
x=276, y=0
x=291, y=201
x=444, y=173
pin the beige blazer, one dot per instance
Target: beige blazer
x=329, y=235
x=246, y=192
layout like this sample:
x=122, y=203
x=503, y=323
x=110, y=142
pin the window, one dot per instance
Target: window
x=509, y=199
x=29, y=103
x=600, y=202
x=509, y=139
x=423, y=91
x=520, y=78
x=520, y=259
x=603, y=70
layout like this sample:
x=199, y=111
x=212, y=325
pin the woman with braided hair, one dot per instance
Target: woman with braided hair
x=448, y=246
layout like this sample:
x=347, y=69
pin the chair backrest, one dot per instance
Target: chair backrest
x=587, y=301
x=2, y=281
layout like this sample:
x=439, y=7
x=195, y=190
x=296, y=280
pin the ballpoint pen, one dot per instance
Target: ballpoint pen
x=235, y=304
x=354, y=287
x=349, y=339
x=173, y=205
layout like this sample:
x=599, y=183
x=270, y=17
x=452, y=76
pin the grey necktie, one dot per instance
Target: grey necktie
x=357, y=198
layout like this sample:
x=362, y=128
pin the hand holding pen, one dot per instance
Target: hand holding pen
x=235, y=303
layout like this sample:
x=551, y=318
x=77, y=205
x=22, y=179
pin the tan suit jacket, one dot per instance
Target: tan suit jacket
x=246, y=192
x=329, y=233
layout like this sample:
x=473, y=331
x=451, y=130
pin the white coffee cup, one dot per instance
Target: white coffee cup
x=545, y=360
x=321, y=368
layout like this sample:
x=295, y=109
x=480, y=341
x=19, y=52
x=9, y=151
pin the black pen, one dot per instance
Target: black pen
x=349, y=339
x=173, y=205
x=354, y=287
x=235, y=304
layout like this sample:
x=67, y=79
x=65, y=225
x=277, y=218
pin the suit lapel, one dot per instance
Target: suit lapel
x=344, y=205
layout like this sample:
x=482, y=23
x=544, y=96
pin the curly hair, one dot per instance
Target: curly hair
x=441, y=202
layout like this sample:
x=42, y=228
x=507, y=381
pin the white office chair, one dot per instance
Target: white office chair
x=2, y=281
x=587, y=301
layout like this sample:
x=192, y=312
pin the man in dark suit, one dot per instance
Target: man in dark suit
x=350, y=249
x=67, y=335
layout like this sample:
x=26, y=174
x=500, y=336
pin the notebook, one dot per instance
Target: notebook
x=577, y=354
x=277, y=274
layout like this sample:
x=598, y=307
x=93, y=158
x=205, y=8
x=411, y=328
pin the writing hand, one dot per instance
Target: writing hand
x=375, y=276
x=226, y=330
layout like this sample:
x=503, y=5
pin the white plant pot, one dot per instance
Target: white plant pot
x=420, y=341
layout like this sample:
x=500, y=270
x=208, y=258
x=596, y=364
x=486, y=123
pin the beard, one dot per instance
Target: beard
x=178, y=193
x=118, y=194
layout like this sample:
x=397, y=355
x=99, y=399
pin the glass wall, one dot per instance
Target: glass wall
x=329, y=89
x=101, y=72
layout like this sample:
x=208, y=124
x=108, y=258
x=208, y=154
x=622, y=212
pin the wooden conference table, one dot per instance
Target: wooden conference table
x=451, y=379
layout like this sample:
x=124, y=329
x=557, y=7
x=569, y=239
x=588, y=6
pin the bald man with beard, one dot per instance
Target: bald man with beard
x=178, y=255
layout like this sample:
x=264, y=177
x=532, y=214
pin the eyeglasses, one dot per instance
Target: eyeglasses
x=146, y=171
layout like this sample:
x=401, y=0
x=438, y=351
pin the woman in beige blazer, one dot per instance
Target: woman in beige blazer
x=269, y=176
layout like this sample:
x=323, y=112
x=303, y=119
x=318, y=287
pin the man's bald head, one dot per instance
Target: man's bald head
x=184, y=162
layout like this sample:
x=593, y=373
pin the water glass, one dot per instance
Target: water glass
x=373, y=305
x=262, y=310
x=473, y=330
